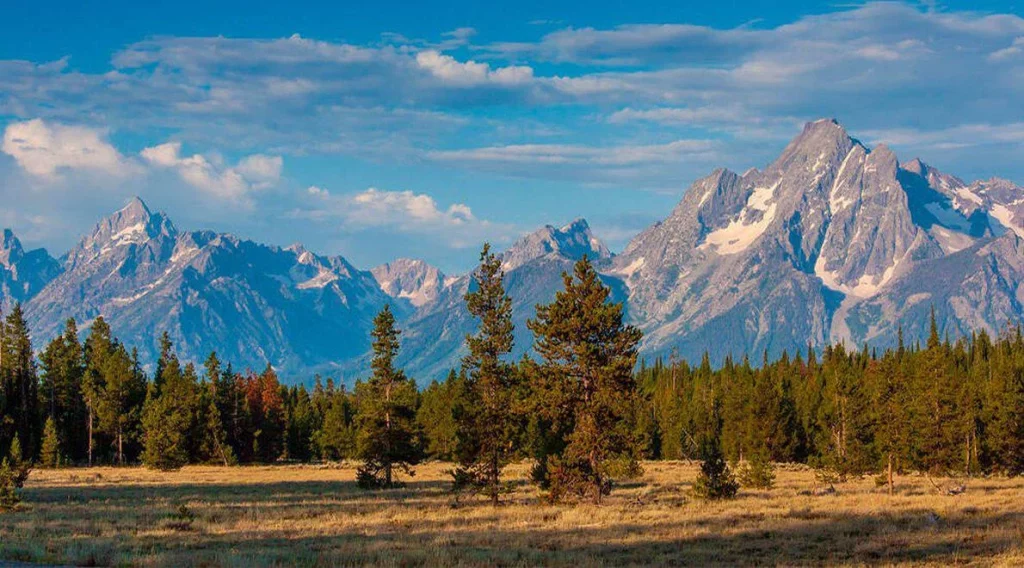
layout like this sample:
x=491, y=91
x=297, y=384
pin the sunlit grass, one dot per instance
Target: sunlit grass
x=315, y=515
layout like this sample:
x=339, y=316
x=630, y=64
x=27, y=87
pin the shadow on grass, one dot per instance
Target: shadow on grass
x=247, y=524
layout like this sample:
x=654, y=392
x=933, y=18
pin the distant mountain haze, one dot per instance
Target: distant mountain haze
x=833, y=241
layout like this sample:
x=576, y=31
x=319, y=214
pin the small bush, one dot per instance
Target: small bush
x=757, y=473
x=715, y=481
x=11, y=480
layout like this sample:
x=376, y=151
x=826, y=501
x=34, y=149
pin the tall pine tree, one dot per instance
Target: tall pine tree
x=387, y=411
x=585, y=384
x=488, y=419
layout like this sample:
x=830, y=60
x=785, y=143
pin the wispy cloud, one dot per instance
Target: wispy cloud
x=211, y=175
x=402, y=211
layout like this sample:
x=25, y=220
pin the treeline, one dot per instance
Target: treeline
x=945, y=408
x=582, y=409
x=91, y=402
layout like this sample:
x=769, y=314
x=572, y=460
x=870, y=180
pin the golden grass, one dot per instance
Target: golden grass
x=315, y=515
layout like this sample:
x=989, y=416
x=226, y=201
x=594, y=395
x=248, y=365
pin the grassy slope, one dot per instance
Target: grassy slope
x=311, y=515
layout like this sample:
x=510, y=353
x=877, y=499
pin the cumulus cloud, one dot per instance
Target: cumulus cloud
x=470, y=73
x=211, y=175
x=44, y=149
x=884, y=65
x=402, y=211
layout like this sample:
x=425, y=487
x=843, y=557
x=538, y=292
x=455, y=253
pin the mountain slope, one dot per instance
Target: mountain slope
x=412, y=280
x=251, y=303
x=774, y=259
x=433, y=338
x=23, y=273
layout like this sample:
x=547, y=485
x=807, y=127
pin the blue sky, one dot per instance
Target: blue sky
x=377, y=130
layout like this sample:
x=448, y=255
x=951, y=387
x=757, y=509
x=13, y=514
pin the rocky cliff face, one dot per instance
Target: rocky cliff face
x=774, y=259
x=411, y=280
x=22, y=273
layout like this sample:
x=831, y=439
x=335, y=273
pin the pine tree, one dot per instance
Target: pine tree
x=14, y=470
x=436, y=415
x=843, y=416
x=63, y=367
x=715, y=480
x=336, y=437
x=9, y=497
x=170, y=417
x=757, y=471
x=387, y=410
x=119, y=407
x=49, y=455
x=215, y=436
x=300, y=423
x=98, y=348
x=585, y=384
x=888, y=382
x=488, y=422
x=19, y=386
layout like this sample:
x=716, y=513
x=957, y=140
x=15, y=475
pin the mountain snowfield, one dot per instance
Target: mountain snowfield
x=833, y=241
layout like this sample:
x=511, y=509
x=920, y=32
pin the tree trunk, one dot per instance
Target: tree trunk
x=120, y=447
x=90, y=437
x=889, y=474
x=494, y=478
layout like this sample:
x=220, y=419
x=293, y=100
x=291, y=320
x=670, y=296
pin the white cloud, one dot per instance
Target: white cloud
x=402, y=211
x=880, y=65
x=471, y=73
x=1015, y=49
x=211, y=175
x=261, y=170
x=44, y=149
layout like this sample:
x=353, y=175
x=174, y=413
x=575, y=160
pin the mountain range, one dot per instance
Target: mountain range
x=833, y=241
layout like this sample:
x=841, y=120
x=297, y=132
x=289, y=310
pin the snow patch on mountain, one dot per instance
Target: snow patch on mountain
x=1006, y=217
x=741, y=232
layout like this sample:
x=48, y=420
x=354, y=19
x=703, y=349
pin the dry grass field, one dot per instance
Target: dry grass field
x=310, y=515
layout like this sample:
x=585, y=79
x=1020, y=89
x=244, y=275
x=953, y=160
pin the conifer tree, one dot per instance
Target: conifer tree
x=14, y=470
x=387, y=411
x=715, y=480
x=63, y=367
x=215, y=442
x=488, y=421
x=757, y=471
x=49, y=455
x=119, y=408
x=336, y=436
x=98, y=348
x=585, y=384
x=300, y=425
x=436, y=415
x=170, y=417
x=19, y=386
x=9, y=497
x=892, y=437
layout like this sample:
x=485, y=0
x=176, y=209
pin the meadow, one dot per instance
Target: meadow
x=310, y=515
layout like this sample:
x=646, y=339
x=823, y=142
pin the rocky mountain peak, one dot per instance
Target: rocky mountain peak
x=10, y=248
x=133, y=224
x=570, y=242
x=818, y=136
x=411, y=279
x=22, y=273
x=135, y=218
